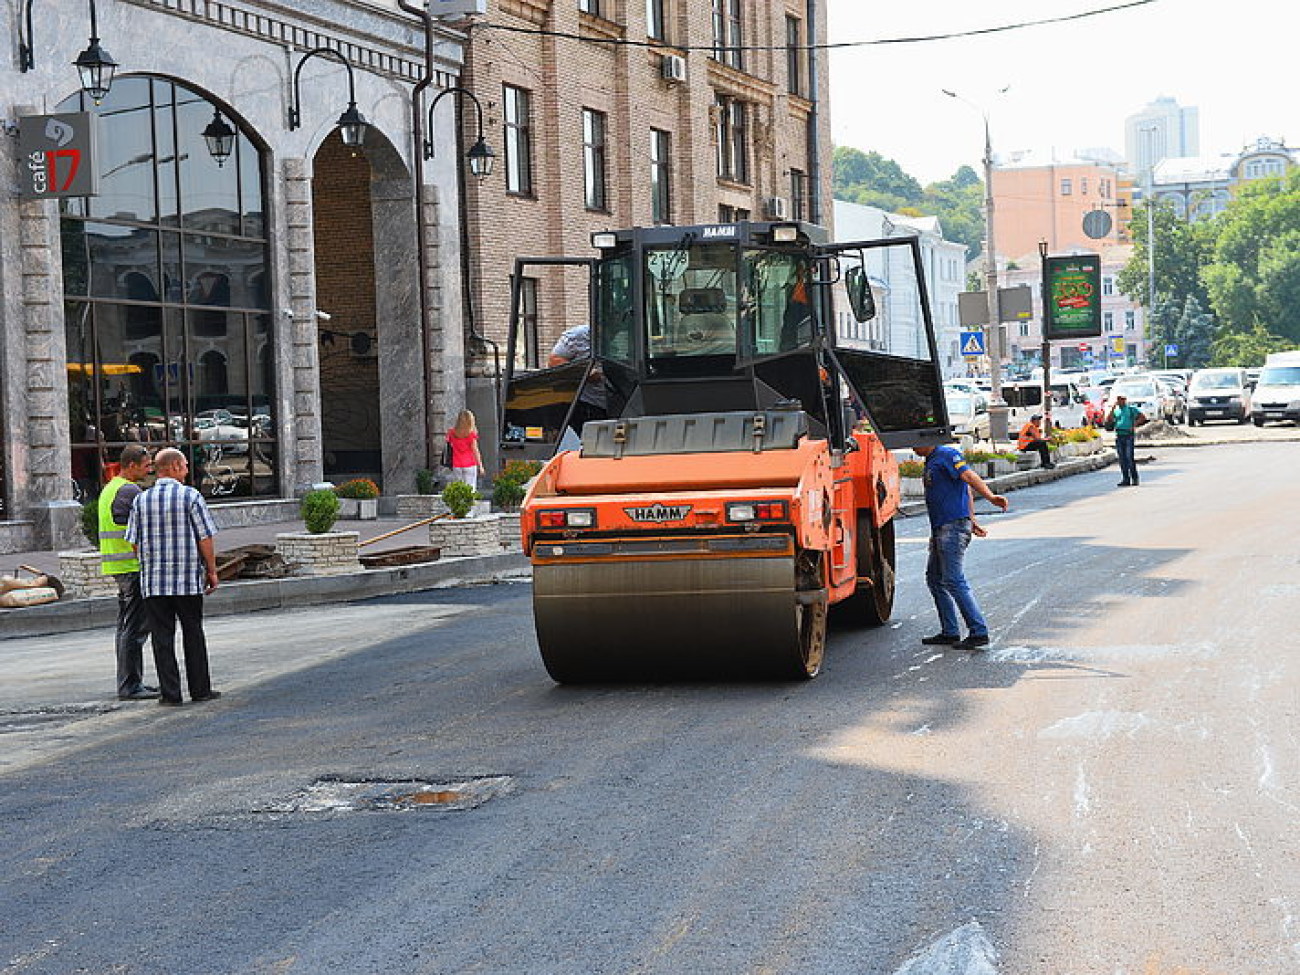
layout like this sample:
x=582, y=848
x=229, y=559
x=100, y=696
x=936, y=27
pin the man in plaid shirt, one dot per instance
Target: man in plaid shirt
x=172, y=531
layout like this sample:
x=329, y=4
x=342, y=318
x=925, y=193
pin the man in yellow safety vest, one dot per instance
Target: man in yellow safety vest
x=119, y=561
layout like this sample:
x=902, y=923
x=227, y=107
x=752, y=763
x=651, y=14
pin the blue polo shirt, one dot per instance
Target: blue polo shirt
x=947, y=496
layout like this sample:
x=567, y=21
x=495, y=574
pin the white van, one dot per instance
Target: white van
x=1277, y=394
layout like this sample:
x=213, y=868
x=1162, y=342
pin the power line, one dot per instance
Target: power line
x=917, y=39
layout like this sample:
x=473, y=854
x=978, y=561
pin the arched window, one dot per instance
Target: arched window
x=169, y=264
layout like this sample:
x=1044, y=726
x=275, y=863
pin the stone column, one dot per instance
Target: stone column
x=401, y=368
x=36, y=380
x=303, y=447
x=446, y=363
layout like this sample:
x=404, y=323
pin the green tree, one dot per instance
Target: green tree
x=1194, y=335
x=1182, y=249
x=1254, y=277
x=1162, y=326
x=871, y=179
x=1247, y=349
x=959, y=204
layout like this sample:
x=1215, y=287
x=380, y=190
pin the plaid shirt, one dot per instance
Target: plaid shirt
x=166, y=524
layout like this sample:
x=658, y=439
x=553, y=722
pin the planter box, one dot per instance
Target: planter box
x=458, y=537
x=912, y=487
x=358, y=509
x=80, y=575
x=511, y=531
x=417, y=506
x=329, y=553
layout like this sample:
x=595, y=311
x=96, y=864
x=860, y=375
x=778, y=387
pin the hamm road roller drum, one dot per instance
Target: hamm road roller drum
x=704, y=617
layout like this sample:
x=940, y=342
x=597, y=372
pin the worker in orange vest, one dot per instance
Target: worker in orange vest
x=1031, y=438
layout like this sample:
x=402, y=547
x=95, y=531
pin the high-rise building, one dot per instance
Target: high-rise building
x=1162, y=130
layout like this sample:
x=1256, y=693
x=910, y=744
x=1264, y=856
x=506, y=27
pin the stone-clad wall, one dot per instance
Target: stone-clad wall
x=324, y=554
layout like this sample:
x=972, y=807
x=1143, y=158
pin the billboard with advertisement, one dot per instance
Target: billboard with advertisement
x=1072, y=287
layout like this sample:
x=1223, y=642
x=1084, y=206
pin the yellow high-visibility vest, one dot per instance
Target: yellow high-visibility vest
x=115, y=553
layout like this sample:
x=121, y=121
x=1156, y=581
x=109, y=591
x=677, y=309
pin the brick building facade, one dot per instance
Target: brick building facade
x=620, y=113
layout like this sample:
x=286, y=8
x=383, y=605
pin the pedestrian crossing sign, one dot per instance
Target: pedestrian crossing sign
x=972, y=343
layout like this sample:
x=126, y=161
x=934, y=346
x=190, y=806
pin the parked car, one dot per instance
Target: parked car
x=1094, y=405
x=1179, y=394
x=1218, y=394
x=1151, y=397
x=968, y=413
x=1277, y=394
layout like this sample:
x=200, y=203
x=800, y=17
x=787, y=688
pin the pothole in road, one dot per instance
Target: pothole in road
x=331, y=795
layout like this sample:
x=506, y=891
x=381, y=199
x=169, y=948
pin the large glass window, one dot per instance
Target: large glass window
x=728, y=38
x=654, y=20
x=794, y=56
x=593, y=158
x=518, y=139
x=661, y=195
x=167, y=303
x=733, y=139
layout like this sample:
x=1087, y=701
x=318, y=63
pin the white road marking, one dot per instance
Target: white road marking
x=966, y=951
x=1097, y=725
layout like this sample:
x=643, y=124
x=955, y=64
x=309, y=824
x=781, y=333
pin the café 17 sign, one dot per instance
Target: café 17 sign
x=58, y=155
x=1072, y=286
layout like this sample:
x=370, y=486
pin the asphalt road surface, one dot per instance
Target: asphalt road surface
x=396, y=786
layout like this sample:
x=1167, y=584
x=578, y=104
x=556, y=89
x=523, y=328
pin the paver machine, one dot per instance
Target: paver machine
x=718, y=472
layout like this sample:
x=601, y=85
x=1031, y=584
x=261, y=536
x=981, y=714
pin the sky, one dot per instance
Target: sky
x=1069, y=85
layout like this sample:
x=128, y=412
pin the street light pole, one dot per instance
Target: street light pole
x=997, y=406
x=1149, y=194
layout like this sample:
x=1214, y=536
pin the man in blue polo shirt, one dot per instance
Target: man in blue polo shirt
x=949, y=484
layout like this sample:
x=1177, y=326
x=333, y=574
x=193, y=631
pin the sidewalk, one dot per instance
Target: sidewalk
x=243, y=596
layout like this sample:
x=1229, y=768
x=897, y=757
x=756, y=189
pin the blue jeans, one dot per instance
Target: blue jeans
x=1127, y=465
x=947, y=579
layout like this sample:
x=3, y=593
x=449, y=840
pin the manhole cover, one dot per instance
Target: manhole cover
x=349, y=795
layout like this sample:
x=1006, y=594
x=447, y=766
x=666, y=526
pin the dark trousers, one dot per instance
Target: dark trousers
x=1128, y=468
x=132, y=631
x=164, y=611
x=1044, y=452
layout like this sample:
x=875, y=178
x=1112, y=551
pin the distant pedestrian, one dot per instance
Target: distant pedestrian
x=949, y=483
x=466, y=461
x=1031, y=439
x=1125, y=420
x=172, y=530
x=119, y=560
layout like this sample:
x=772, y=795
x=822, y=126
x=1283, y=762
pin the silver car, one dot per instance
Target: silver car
x=1218, y=394
x=1149, y=395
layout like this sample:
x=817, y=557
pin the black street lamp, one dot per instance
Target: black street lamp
x=352, y=124
x=481, y=157
x=95, y=65
x=220, y=138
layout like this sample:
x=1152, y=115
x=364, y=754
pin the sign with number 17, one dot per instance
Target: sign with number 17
x=58, y=155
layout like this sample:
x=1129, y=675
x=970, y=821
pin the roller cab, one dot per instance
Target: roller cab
x=729, y=479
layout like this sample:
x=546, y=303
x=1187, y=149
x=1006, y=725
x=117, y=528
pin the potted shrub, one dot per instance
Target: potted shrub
x=80, y=570
x=359, y=498
x=320, y=509
x=910, y=472
x=459, y=498
x=424, y=481
x=318, y=550
x=508, y=491
x=464, y=534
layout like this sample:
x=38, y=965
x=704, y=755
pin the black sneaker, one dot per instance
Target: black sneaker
x=974, y=642
x=169, y=703
x=140, y=694
x=941, y=640
x=210, y=696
